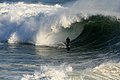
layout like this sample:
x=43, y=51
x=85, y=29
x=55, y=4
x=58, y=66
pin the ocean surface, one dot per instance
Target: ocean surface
x=27, y=62
x=33, y=34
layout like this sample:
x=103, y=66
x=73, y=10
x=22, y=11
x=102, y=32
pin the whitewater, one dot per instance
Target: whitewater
x=33, y=33
x=42, y=24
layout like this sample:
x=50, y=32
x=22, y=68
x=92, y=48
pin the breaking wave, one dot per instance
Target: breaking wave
x=49, y=73
x=99, y=32
x=42, y=24
x=105, y=71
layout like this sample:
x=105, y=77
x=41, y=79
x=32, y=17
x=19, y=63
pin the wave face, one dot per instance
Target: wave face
x=99, y=31
x=43, y=24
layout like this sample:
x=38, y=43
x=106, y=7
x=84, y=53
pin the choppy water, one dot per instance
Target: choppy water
x=27, y=62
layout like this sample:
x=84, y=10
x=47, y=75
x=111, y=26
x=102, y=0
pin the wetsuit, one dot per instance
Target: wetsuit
x=68, y=43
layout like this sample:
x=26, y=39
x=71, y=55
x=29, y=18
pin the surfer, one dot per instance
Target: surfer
x=68, y=43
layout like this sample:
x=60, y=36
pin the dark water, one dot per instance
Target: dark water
x=95, y=40
x=28, y=62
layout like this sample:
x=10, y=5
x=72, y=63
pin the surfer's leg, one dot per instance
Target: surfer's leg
x=68, y=48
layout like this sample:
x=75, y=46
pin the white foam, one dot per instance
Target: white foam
x=21, y=21
x=35, y=23
x=105, y=71
x=41, y=24
x=49, y=73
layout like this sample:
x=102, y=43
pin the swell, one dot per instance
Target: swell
x=99, y=32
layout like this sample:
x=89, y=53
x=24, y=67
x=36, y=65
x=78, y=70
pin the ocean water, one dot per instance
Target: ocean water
x=33, y=34
x=28, y=62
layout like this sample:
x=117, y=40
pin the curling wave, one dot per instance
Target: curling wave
x=41, y=24
x=99, y=32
